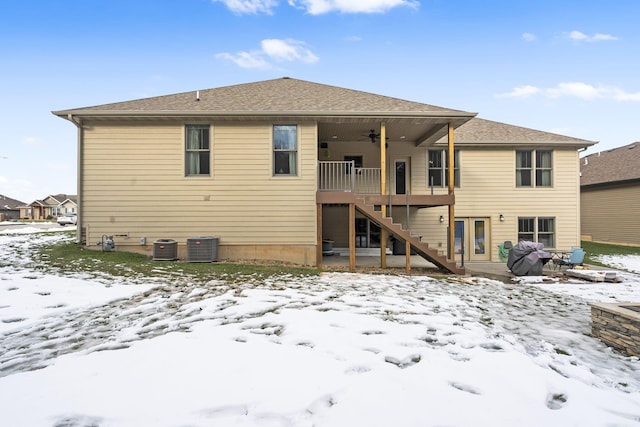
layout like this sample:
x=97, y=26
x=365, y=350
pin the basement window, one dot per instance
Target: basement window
x=540, y=229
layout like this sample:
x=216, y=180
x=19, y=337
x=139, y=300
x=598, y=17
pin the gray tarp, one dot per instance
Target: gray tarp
x=527, y=258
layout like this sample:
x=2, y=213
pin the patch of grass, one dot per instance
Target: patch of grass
x=70, y=257
x=593, y=250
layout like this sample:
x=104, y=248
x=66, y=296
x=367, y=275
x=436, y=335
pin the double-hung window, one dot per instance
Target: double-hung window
x=533, y=168
x=285, y=150
x=439, y=168
x=197, y=150
x=540, y=229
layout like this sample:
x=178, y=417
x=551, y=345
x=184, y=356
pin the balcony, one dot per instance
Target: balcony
x=341, y=181
x=346, y=177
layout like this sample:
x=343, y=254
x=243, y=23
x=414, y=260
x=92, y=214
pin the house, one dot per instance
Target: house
x=276, y=168
x=50, y=207
x=610, y=195
x=9, y=208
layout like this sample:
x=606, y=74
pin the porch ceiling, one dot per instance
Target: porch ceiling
x=418, y=130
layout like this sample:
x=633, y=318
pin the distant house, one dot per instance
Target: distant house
x=9, y=208
x=610, y=195
x=278, y=168
x=50, y=207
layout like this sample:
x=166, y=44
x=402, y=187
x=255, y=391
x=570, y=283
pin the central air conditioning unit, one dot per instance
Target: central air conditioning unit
x=165, y=250
x=202, y=249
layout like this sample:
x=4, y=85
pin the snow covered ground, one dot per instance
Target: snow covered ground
x=335, y=350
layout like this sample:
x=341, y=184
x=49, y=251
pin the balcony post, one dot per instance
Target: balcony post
x=352, y=236
x=383, y=191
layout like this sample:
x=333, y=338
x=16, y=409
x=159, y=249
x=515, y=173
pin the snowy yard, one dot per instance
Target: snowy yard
x=334, y=350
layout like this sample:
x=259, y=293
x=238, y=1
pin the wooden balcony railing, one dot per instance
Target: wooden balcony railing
x=344, y=176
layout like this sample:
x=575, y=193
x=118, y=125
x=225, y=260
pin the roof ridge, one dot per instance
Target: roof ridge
x=284, y=94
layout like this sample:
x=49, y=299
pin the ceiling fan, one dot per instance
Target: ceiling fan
x=373, y=136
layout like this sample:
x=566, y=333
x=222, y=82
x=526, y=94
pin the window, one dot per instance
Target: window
x=197, y=151
x=526, y=229
x=541, y=229
x=528, y=161
x=546, y=232
x=285, y=149
x=543, y=168
x=439, y=168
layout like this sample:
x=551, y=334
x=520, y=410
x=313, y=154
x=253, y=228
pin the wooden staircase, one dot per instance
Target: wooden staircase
x=417, y=245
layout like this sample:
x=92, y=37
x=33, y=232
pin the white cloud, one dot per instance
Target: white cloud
x=288, y=50
x=318, y=7
x=520, y=92
x=582, y=37
x=579, y=90
x=528, y=37
x=272, y=50
x=250, y=6
x=575, y=89
x=246, y=59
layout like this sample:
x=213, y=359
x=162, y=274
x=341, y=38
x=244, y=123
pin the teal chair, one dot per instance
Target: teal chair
x=576, y=257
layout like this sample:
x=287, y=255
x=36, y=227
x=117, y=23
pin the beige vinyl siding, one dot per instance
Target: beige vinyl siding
x=488, y=189
x=135, y=184
x=608, y=214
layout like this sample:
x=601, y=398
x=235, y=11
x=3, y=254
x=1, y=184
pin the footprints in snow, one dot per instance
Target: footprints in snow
x=556, y=400
x=403, y=363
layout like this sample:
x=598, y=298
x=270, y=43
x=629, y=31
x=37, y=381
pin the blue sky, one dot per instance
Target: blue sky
x=569, y=67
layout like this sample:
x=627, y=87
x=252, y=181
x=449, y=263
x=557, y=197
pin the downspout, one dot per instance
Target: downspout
x=452, y=217
x=79, y=184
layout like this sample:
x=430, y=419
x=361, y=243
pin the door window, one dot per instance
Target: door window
x=401, y=177
x=479, y=237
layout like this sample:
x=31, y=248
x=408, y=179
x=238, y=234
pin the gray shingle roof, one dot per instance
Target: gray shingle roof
x=611, y=166
x=489, y=132
x=9, y=203
x=264, y=97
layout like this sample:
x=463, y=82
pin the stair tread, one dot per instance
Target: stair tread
x=421, y=247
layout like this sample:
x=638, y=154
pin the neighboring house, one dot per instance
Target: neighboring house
x=276, y=168
x=68, y=205
x=9, y=208
x=50, y=207
x=610, y=195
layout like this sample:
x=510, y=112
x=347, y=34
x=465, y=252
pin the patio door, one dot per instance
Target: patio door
x=401, y=175
x=367, y=233
x=472, y=239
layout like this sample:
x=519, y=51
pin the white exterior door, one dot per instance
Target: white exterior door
x=472, y=239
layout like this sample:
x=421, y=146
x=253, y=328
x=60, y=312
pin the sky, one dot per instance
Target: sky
x=567, y=67
x=333, y=350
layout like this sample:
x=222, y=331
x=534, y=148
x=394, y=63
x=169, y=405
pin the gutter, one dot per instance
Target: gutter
x=326, y=114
